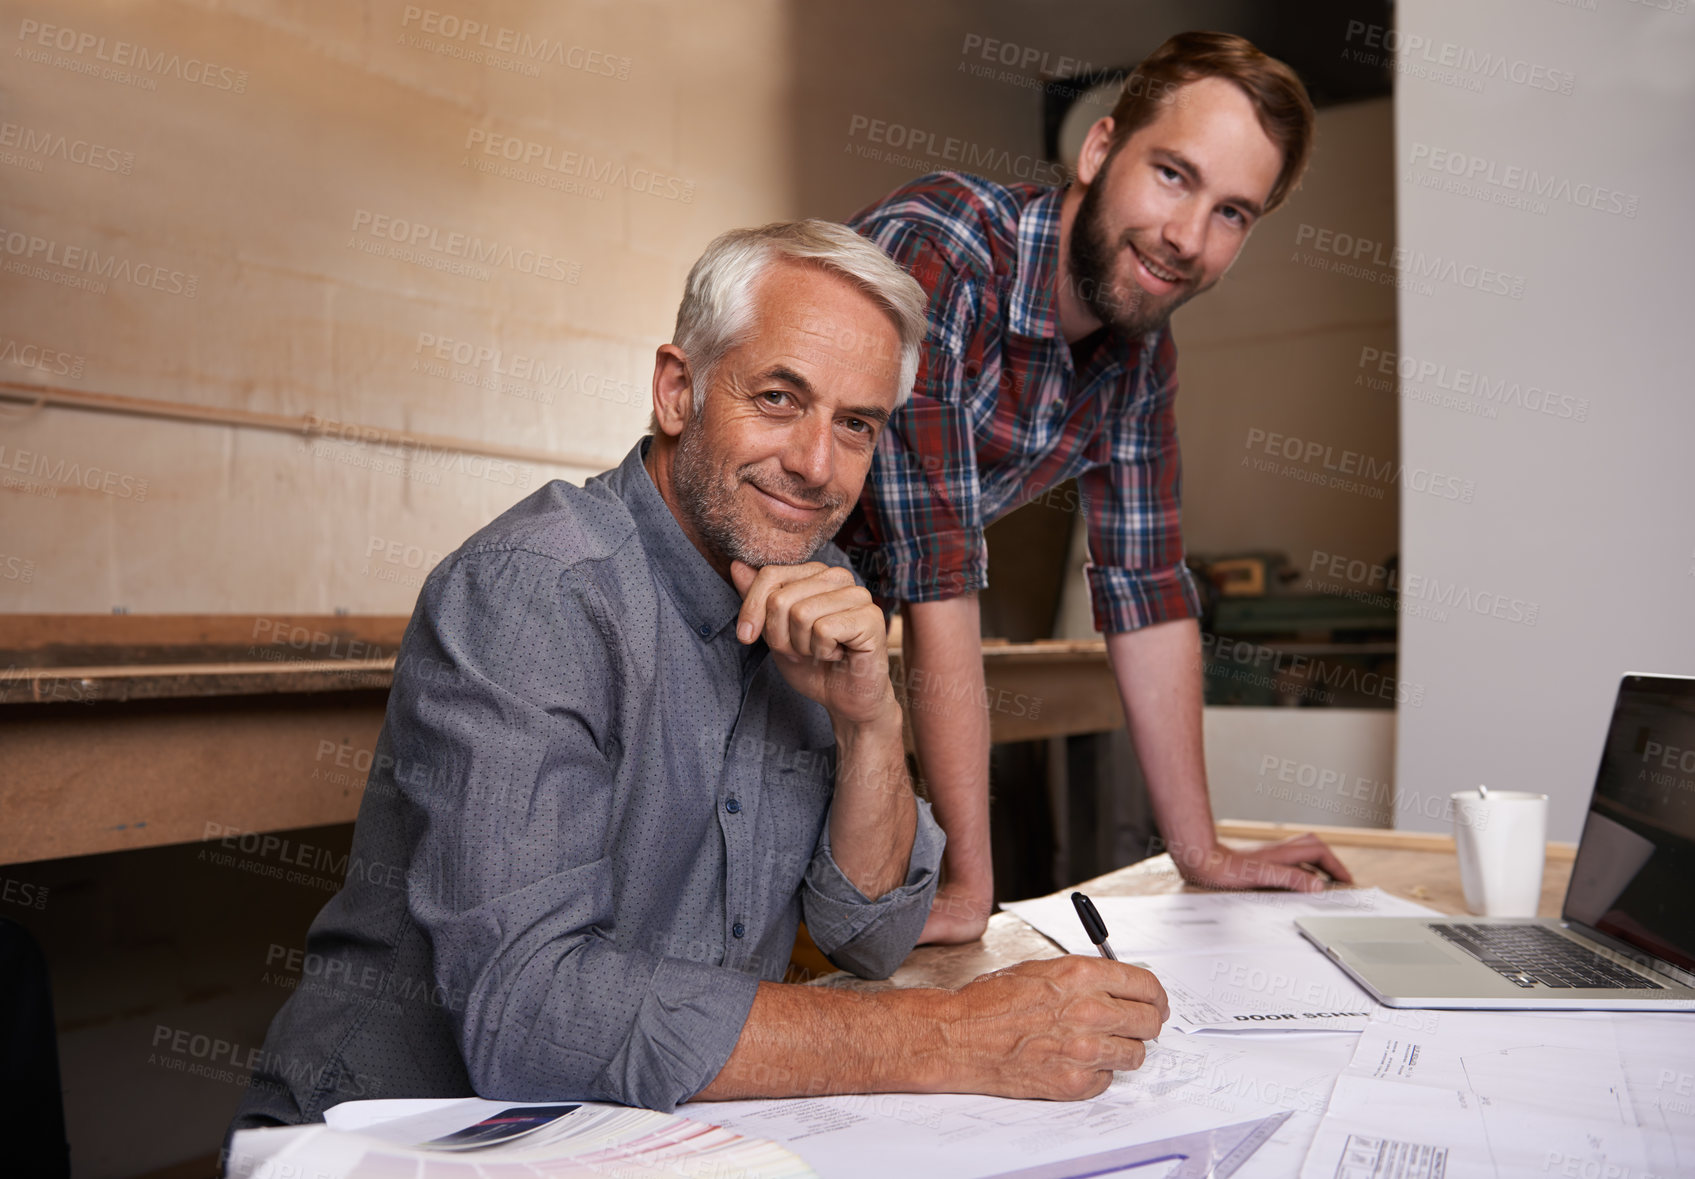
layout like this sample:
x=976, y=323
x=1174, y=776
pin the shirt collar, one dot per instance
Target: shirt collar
x=1033, y=307
x=1031, y=310
x=706, y=601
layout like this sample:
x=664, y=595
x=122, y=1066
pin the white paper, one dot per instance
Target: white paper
x=355, y=1116
x=1495, y=1095
x=1187, y=1083
x=1205, y=921
x=1276, y=988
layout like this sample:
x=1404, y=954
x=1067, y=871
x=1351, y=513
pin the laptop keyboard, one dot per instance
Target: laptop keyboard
x=1531, y=954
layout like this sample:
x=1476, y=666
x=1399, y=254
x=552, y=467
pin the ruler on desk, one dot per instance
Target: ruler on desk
x=1205, y=1154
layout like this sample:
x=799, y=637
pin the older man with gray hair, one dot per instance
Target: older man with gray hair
x=640, y=729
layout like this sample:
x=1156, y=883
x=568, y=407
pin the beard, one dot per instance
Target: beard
x=706, y=496
x=1094, y=256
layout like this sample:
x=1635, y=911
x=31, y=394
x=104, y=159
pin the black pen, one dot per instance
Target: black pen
x=1093, y=925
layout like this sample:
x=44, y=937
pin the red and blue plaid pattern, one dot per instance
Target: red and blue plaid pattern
x=1002, y=413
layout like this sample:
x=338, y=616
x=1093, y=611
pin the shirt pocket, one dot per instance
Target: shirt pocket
x=797, y=786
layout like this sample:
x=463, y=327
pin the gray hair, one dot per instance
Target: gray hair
x=717, y=302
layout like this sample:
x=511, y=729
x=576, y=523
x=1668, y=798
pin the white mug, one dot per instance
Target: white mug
x=1500, y=837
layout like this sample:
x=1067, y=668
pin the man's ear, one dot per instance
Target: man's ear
x=673, y=390
x=1097, y=145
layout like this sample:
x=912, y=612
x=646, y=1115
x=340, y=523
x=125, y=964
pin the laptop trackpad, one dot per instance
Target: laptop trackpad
x=1397, y=953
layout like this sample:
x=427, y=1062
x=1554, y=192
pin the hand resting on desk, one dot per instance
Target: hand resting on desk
x=1300, y=864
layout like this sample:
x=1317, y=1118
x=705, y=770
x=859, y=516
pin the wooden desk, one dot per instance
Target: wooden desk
x=1408, y=864
x=127, y=731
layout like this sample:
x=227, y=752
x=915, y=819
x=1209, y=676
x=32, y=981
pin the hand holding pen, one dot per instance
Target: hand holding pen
x=1092, y=924
x=1072, y=1020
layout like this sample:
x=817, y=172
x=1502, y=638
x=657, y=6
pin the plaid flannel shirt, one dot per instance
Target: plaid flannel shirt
x=1001, y=414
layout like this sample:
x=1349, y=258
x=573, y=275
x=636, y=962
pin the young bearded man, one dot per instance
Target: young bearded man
x=1049, y=357
x=641, y=728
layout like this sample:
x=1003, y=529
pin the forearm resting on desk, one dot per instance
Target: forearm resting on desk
x=1056, y=1029
x=950, y=731
x=1158, y=670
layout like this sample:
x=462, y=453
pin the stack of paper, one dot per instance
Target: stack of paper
x=476, y=1139
x=1231, y=961
x=1188, y=1086
x=1456, y=1094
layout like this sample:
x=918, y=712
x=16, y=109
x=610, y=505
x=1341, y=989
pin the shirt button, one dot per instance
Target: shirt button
x=704, y=631
x=734, y=806
x=738, y=929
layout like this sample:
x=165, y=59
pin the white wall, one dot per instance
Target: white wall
x=1584, y=519
x=1329, y=766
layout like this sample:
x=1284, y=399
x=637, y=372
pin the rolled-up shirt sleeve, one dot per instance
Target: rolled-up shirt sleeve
x=500, y=690
x=1137, y=575
x=872, y=937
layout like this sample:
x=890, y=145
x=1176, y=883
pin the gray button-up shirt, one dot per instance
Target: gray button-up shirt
x=592, y=825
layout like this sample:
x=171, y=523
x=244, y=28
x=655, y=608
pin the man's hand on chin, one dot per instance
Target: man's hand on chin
x=1300, y=864
x=830, y=642
x=829, y=638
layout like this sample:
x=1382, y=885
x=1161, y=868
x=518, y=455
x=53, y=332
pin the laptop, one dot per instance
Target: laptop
x=1625, y=938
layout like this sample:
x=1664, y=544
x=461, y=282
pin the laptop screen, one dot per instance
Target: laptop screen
x=1636, y=861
